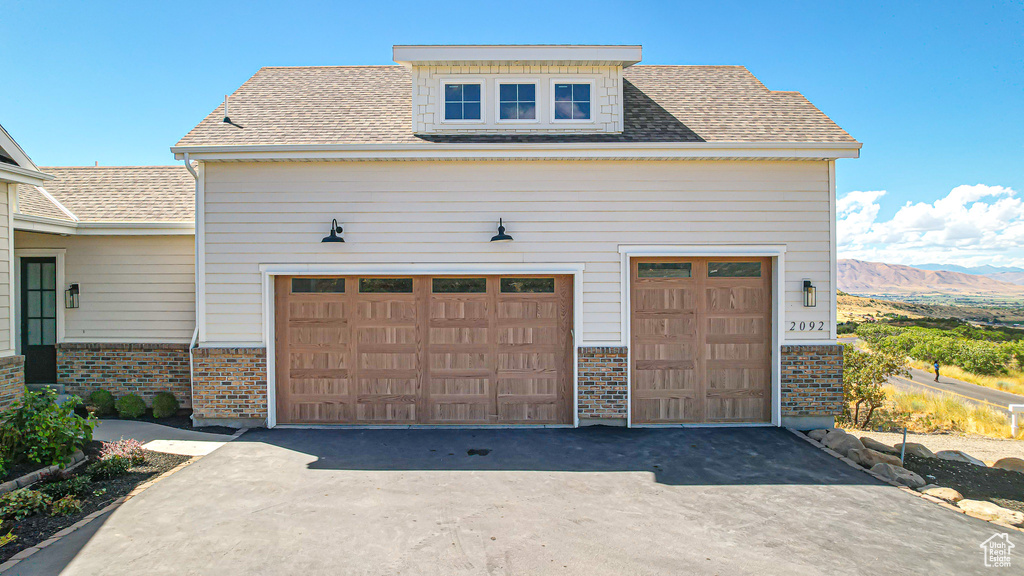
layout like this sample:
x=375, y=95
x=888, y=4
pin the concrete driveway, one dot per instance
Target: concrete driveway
x=589, y=501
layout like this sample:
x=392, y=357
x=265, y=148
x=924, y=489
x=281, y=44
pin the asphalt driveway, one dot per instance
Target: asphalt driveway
x=557, y=501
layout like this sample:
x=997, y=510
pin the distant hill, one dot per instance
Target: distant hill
x=878, y=278
x=985, y=270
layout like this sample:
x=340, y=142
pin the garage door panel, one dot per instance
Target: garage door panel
x=386, y=412
x=521, y=336
x=736, y=410
x=519, y=412
x=461, y=412
x=459, y=387
x=736, y=299
x=672, y=409
x=523, y=308
x=318, y=412
x=320, y=387
x=317, y=337
x=458, y=361
x=679, y=378
x=662, y=296
x=457, y=336
x=677, y=327
x=384, y=312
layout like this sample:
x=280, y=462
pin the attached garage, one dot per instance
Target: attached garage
x=424, y=349
x=701, y=340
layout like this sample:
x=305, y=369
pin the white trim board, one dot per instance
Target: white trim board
x=268, y=271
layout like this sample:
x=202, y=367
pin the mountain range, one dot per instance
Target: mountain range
x=1009, y=274
x=876, y=278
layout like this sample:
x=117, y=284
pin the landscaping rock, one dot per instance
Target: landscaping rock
x=818, y=435
x=915, y=449
x=867, y=457
x=1015, y=464
x=898, y=474
x=958, y=456
x=947, y=494
x=991, y=512
x=877, y=446
x=842, y=442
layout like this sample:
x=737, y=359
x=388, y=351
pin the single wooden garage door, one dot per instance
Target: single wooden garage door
x=701, y=340
x=424, y=350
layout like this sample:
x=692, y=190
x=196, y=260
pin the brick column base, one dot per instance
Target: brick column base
x=123, y=369
x=812, y=385
x=12, y=380
x=602, y=386
x=229, y=387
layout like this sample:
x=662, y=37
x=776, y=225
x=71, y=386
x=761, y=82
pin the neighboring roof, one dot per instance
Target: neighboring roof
x=112, y=194
x=372, y=105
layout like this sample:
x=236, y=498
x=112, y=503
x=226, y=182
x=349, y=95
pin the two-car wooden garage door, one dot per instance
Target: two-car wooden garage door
x=424, y=350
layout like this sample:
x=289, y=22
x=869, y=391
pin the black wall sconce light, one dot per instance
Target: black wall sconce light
x=501, y=236
x=810, y=298
x=335, y=230
x=71, y=296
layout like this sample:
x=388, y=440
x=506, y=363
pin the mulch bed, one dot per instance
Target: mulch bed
x=181, y=420
x=19, y=470
x=1001, y=487
x=35, y=529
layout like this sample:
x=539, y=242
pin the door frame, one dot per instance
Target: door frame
x=777, y=252
x=56, y=253
x=269, y=271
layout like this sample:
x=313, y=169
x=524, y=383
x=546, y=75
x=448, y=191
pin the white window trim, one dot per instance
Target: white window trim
x=58, y=255
x=593, y=94
x=268, y=271
x=467, y=80
x=775, y=251
x=538, y=98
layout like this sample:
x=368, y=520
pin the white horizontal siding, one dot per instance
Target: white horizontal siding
x=7, y=191
x=445, y=212
x=133, y=288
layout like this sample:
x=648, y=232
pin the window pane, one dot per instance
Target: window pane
x=49, y=275
x=50, y=304
x=734, y=269
x=507, y=93
x=525, y=285
x=527, y=111
x=663, y=270
x=35, y=333
x=581, y=93
x=563, y=92
x=307, y=285
x=453, y=111
x=527, y=93
x=385, y=285
x=563, y=110
x=459, y=285
x=471, y=111
x=35, y=304
x=49, y=332
x=507, y=111
x=33, y=275
x=581, y=111
x=453, y=92
x=471, y=92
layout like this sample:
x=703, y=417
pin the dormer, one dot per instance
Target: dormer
x=516, y=89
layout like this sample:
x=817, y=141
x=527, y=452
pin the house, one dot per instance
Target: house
x=515, y=235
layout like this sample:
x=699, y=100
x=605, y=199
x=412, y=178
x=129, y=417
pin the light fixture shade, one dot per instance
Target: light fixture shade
x=501, y=236
x=335, y=230
x=810, y=298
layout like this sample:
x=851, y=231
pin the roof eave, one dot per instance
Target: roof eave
x=32, y=223
x=19, y=175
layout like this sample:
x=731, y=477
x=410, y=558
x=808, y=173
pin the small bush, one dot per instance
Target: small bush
x=8, y=538
x=43, y=432
x=127, y=448
x=108, y=468
x=23, y=503
x=165, y=405
x=66, y=506
x=76, y=486
x=102, y=400
x=131, y=406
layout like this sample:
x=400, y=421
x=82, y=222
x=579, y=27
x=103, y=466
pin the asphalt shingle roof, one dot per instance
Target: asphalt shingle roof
x=372, y=105
x=114, y=194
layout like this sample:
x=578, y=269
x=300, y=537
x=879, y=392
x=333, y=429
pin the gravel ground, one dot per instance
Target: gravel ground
x=985, y=449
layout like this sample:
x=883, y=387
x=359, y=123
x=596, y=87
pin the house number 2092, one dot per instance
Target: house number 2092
x=806, y=326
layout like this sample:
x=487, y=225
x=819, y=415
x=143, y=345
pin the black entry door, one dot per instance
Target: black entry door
x=39, y=319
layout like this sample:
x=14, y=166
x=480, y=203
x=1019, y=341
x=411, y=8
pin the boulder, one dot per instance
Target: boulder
x=877, y=446
x=947, y=494
x=898, y=474
x=842, y=443
x=867, y=457
x=915, y=449
x=991, y=512
x=1015, y=464
x=958, y=456
x=818, y=435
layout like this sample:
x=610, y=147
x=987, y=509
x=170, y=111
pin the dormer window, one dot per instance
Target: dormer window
x=462, y=101
x=517, y=101
x=572, y=100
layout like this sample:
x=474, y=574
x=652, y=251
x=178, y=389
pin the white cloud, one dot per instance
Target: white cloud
x=970, y=226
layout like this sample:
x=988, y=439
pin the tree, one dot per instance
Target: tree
x=864, y=373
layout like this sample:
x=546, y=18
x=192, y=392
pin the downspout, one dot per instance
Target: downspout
x=195, y=332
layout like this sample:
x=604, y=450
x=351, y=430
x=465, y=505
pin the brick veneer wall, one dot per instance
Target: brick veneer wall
x=122, y=369
x=230, y=383
x=602, y=383
x=12, y=380
x=812, y=380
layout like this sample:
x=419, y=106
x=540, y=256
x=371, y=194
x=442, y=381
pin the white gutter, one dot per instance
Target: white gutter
x=195, y=332
x=23, y=175
x=32, y=223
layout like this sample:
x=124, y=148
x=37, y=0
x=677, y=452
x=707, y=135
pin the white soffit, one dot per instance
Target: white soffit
x=528, y=55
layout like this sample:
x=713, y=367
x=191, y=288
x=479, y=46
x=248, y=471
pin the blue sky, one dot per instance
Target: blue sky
x=934, y=90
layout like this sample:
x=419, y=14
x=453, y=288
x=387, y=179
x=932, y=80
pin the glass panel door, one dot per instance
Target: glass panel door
x=39, y=319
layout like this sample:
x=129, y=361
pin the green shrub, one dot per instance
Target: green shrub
x=108, y=468
x=66, y=506
x=165, y=405
x=40, y=431
x=102, y=400
x=77, y=486
x=131, y=406
x=23, y=503
x=8, y=538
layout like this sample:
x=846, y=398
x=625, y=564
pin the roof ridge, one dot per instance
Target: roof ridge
x=113, y=167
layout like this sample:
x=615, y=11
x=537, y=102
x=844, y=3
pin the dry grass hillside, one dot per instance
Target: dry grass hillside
x=860, y=277
x=860, y=308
